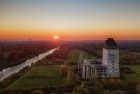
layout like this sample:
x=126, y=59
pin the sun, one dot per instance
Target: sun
x=55, y=37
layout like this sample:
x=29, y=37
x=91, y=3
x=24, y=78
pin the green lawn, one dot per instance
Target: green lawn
x=39, y=76
x=133, y=76
x=74, y=55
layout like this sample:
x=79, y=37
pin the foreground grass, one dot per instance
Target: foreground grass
x=74, y=55
x=38, y=77
x=133, y=76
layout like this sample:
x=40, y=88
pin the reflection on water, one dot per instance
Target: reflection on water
x=11, y=70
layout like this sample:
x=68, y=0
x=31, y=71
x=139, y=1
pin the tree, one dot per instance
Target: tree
x=71, y=78
x=82, y=89
x=63, y=70
x=95, y=86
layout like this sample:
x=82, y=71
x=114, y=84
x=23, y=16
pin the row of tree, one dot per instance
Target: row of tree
x=14, y=53
x=129, y=58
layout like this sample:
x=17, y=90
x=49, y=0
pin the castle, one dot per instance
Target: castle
x=108, y=66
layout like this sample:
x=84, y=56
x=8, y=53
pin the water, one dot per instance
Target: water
x=11, y=70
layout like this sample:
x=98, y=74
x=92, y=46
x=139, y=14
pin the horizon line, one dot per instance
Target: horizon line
x=68, y=40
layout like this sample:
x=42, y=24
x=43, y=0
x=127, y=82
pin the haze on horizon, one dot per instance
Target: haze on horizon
x=69, y=19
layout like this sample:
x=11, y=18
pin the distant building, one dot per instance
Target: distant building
x=108, y=66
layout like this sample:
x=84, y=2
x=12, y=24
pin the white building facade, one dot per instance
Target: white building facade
x=111, y=58
x=108, y=66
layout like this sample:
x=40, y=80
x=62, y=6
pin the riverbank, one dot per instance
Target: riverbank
x=46, y=71
x=9, y=71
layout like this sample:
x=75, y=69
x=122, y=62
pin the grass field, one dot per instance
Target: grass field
x=74, y=55
x=46, y=75
x=39, y=76
x=133, y=76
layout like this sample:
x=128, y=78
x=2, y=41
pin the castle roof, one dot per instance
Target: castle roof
x=110, y=44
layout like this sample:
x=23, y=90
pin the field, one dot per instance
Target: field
x=44, y=75
x=74, y=55
x=39, y=76
x=133, y=76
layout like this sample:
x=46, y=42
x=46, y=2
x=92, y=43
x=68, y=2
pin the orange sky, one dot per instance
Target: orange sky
x=69, y=19
x=68, y=35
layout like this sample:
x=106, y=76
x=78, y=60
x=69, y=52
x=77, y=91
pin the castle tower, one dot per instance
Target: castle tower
x=111, y=58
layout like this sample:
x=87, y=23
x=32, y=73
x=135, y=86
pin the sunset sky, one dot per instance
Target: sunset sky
x=69, y=19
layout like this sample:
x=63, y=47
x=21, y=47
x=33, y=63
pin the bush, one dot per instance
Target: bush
x=131, y=84
x=113, y=83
